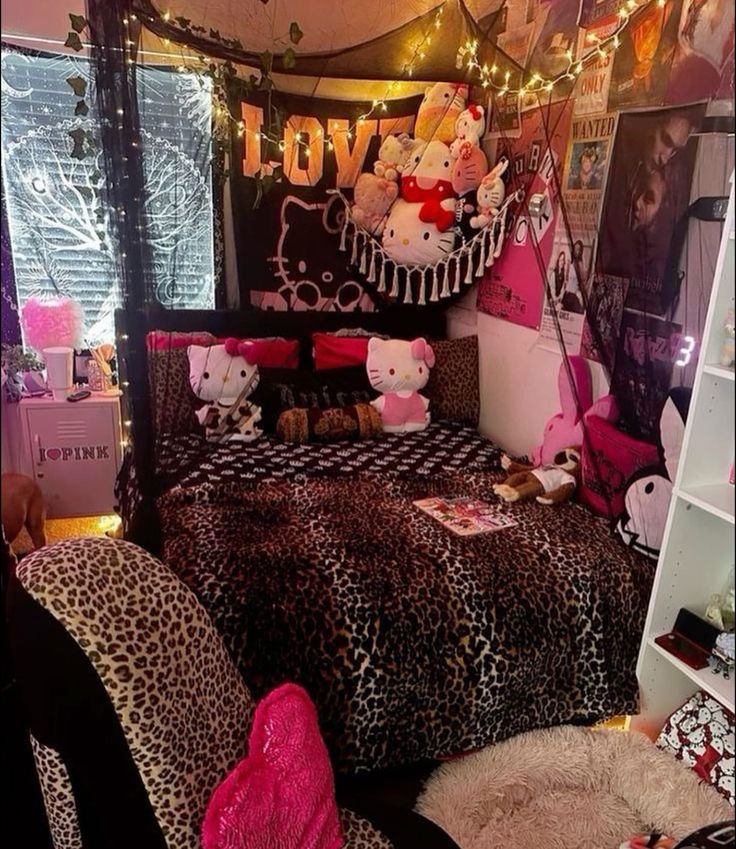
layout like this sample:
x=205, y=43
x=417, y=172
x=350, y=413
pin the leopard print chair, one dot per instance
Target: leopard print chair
x=135, y=710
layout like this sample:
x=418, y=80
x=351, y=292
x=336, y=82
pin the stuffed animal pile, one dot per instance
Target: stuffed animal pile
x=422, y=189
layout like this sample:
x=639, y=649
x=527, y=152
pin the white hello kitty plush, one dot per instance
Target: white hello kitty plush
x=409, y=240
x=220, y=375
x=469, y=129
x=399, y=369
x=491, y=195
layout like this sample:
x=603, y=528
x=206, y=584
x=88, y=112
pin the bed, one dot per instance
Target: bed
x=414, y=643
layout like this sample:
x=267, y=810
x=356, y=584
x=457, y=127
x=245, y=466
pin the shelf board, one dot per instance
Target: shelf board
x=715, y=498
x=705, y=679
x=720, y=371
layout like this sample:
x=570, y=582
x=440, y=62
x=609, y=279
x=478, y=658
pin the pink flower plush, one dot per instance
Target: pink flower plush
x=282, y=794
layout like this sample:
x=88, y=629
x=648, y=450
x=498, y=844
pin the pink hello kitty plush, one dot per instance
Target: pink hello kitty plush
x=469, y=129
x=399, y=369
x=491, y=194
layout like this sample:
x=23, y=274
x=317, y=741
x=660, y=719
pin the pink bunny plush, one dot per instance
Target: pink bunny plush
x=565, y=430
x=399, y=369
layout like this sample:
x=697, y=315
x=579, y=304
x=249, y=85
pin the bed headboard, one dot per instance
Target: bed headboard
x=399, y=322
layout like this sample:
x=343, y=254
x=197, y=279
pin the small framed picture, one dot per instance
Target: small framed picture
x=80, y=366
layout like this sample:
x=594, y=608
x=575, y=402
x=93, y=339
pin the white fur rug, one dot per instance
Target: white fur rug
x=568, y=788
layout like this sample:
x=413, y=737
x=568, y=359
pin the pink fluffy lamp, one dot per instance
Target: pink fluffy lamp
x=55, y=328
x=53, y=323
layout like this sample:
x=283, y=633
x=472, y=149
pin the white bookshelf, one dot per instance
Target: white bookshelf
x=698, y=549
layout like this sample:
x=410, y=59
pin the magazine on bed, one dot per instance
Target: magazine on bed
x=466, y=516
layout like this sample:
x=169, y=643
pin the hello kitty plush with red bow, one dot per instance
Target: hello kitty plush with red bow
x=225, y=376
x=427, y=179
x=469, y=129
x=398, y=370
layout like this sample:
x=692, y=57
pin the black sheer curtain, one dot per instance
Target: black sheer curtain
x=114, y=32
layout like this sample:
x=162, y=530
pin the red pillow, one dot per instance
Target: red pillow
x=339, y=351
x=610, y=458
x=165, y=340
x=274, y=352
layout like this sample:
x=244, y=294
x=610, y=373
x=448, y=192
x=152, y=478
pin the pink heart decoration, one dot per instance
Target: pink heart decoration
x=282, y=794
x=53, y=453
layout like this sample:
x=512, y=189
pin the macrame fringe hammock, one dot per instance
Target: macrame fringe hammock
x=368, y=256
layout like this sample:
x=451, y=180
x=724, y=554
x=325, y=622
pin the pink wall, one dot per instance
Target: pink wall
x=45, y=18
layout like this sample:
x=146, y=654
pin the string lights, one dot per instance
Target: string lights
x=495, y=78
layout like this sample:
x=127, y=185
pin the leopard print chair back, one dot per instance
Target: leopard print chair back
x=135, y=709
x=183, y=709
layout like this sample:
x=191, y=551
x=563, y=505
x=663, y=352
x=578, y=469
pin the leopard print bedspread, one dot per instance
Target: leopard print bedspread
x=413, y=642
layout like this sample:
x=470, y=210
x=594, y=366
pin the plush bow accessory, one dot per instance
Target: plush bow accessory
x=432, y=212
x=249, y=351
x=422, y=350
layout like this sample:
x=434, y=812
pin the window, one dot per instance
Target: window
x=57, y=221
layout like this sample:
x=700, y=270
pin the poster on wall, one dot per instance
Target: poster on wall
x=570, y=267
x=568, y=276
x=641, y=380
x=592, y=11
x=513, y=288
x=704, y=59
x=593, y=84
x=287, y=242
x=506, y=109
x=604, y=313
x=557, y=37
x=585, y=171
x=641, y=69
x=647, y=195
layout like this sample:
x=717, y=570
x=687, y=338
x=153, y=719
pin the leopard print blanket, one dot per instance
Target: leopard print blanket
x=413, y=643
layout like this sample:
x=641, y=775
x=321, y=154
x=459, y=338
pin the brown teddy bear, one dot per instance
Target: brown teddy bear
x=550, y=484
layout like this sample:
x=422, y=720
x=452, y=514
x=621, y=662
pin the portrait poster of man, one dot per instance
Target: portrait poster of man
x=646, y=201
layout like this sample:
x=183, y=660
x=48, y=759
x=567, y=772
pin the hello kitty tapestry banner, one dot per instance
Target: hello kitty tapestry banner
x=288, y=244
x=367, y=211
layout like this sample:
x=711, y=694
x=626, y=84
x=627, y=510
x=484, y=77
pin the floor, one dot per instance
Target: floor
x=59, y=529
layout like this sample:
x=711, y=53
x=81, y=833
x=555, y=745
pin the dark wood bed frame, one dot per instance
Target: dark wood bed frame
x=132, y=327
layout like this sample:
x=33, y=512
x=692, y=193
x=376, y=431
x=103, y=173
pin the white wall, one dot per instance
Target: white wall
x=518, y=380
